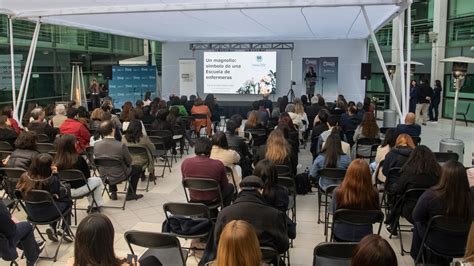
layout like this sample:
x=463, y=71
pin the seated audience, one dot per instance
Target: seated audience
x=297, y=119
x=373, y=250
x=200, y=109
x=220, y=151
x=291, y=133
x=109, y=147
x=331, y=156
x=40, y=126
x=340, y=108
x=132, y=115
x=94, y=243
x=175, y=101
x=409, y=127
x=368, y=129
x=274, y=195
x=312, y=110
x=96, y=119
x=266, y=103
x=201, y=166
x=40, y=176
x=60, y=116
x=83, y=116
x=320, y=125
x=238, y=245
x=349, y=122
x=127, y=108
x=277, y=149
x=276, y=111
x=451, y=197
x=8, y=112
x=138, y=109
x=268, y=222
x=238, y=144
x=346, y=147
x=7, y=133
x=382, y=151
x=190, y=103
x=147, y=99
x=254, y=122
x=16, y=234
x=133, y=137
x=398, y=155
x=73, y=127
x=356, y=192
x=67, y=158
x=25, y=150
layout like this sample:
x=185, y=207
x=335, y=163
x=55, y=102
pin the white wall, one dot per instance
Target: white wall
x=351, y=54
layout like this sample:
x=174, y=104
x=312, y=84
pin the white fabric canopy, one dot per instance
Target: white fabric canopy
x=213, y=20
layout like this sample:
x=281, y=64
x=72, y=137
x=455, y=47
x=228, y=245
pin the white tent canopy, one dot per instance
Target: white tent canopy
x=213, y=20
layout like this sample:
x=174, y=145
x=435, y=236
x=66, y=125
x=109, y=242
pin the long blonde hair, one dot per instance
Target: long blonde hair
x=299, y=108
x=278, y=148
x=238, y=245
x=253, y=120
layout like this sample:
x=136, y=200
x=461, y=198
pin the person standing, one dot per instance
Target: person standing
x=434, y=111
x=94, y=90
x=310, y=81
x=412, y=103
x=424, y=94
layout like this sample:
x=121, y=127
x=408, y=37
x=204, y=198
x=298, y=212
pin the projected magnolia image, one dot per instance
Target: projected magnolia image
x=240, y=72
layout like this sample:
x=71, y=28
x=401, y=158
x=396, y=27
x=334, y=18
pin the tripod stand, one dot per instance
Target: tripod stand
x=291, y=93
x=322, y=85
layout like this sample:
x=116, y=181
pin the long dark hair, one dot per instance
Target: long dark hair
x=210, y=101
x=421, y=162
x=370, y=129
x=38, y=174
x=220, y=139
x=66, y=156
x=94, y=243
x=438, y=84
x=390, y=138
x=267, y=171
x=373, y=250
x=134, y=133
x=453, y=190
x=332, y=150
x=173, y=115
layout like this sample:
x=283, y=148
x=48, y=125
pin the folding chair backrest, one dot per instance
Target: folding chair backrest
x=368, y=142
x=416, y=140
x=186, y=209
x=287, y=182
x=5, y=146
x=151, y=239
x=448, y=226
x=45, y=147
x=162, y=133
x=71, y=175
x=269, y=255
x=412, y=195
x=335, y=174
x=105, y=166
x=393, y=175
x=137, y=150
x=36, y=197
x=442, y=157
x=11, y=178
x=384, y=130
x=283, y=170
x=43, y=138
x=358, y=217
x=202, y=185
x=334, y=254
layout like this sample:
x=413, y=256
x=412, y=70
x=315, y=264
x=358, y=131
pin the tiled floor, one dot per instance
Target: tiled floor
x=147, y=213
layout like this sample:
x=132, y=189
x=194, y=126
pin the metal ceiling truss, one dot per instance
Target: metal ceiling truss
x=242, y=46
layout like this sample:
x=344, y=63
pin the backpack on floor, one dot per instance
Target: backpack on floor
x=303, y=185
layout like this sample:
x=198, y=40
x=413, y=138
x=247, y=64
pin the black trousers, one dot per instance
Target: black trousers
x=134, y=177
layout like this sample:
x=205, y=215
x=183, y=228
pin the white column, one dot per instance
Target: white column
x=408, y=79
x=12, y=63
x=401, y=67
x=440, y=17
x=382, y=62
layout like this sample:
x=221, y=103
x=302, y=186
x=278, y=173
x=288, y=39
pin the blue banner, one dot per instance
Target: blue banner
x=130, y=83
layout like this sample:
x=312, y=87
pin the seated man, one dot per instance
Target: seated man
x=108, y=147
x=39, y=126
x=409, y=127
x=201, y=166
x=269, y=223
x=73, y=127
x=7, y=133
x=17, y=234
x=60, y=116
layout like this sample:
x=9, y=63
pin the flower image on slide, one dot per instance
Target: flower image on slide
x=265, y=85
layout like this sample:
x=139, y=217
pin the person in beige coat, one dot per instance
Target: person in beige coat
x=382, y=151
x=220, y=151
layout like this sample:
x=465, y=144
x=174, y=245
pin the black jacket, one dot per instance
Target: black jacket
x=7, y=230
x=395, y=158
x=21, y=158
x=238, y=144
x=422, y=91
x=268, y=222
x=8, y=134
x=312, y=111
x=43, y=128
x=413, y=130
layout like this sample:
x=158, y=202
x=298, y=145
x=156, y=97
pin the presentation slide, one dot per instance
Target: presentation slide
x=239, y=72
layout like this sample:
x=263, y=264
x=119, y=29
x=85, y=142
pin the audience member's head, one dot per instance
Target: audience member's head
x=198, y=102
x=183, y=99
x=210, y=101
x=3, y=121
x=134, y=132
x=285, y=120
x=82, y=112
x=26, y=140
x=356, y=190
x=278, y=148
x=314, y=100
x=7, y=111
x=352, y=110
x=94, y=244
x=252, y=183
x=373, y=250
x=404, y=140
x=38, y=171
x=370, y=129
x=238, y=245
x=332, y=149
x=72, y=113
x=106, y=116
x=37, y=114
x=253, y=120
x=267, y=171
x=97, y=114
x=321, y=101
x=232, y=126
x=237, y=118
x=299, y=108
x=192, y=97
x=66, y=155
x=341, y=105
x=106, y=129
x=203, y=147
x=304, y=99
x=390, y=138
x=60, y=109
x=410, y=119
x=322, y=116
x=220, y=139
x=422, y=161
x=255, y=105
x=290, y=108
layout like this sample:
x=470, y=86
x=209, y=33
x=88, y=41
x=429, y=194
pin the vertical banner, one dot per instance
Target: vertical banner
x=130, y=83
x=328, y=79
x=187, y=77
x=310, y=75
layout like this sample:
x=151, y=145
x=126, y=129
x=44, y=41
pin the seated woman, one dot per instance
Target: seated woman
x=320, y=125
x=134, y=137
x=291, y=134
x=356, y=192
x=94, y=243
x=368, y=129
x=177, y=124
x=275, y=195
x=451, y=197
x=420, y=171
x=382, y=151
x=25, y=150
x=296, y=118
x=96, y=119
x=66, y=158
x=132, y=115
x=331, y=156
x=40, y=176
x=254, y=122
x=374, y=250
x=200, y=109
x=397, y=156
x=238, y=245
x=230, y=158
x=277, y=150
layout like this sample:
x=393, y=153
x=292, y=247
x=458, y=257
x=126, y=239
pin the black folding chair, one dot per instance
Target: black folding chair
x=43, y=138
x=357, y=218
x=143, y=153
x=270, y=256
x=447, y=226
x=71, y=175
x=259, y=137
x=290, y=184
x=11, y=176
x=442, y=157
x=40, y=198
x=164, y=247
x=333, y=175
x=194, y=211
x=168, y=143
x=178, y=136
x=393, y=175
x=416, y=140
x=203, y=185
x=45, y=148
x=464, y=114
x=384, y=130
x=284, y=170
x=230, y=174
x=104, y=165
x=367, y=142
x=333, y=253
x=161, y=153
x=89, y=153
x=5, y=149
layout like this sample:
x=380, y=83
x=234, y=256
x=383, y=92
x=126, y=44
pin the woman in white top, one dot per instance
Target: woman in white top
x=220, y=151
x=382, y=151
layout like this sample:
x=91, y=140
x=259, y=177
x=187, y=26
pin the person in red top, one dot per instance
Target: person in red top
x=201, y=166
x=8, y=112
x=73, y=127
